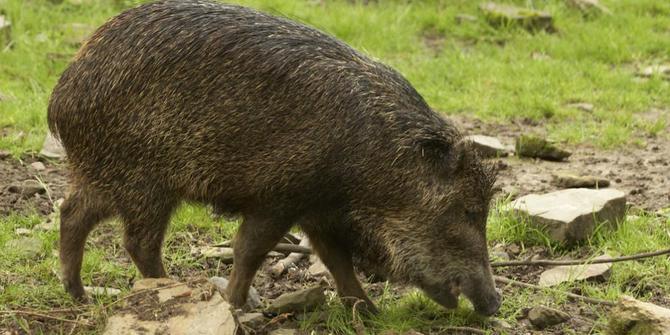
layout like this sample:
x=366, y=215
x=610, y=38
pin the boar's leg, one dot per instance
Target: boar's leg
x=144, y=230
x=80, y=212
x=255, y=238
x=338, y=260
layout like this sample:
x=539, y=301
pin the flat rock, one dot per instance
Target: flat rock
x=4, y=154
x=253, y=320
x=535, y=147
x=284, y=331
x=542, y=317
x=304, y=300
x=566, y=273
x=499, y=15
x=317, y=268
x=662, y=70
x=98, y=291
x=571, y=215
x=166, y=288
x=634, y=317
x=487, y=146
x=224, y=254
x=589, y=6
x=38, y=166
x=188, y=317
x=5, y=32
x=23, y=231
x=27, y=188
x=52, y=148
x=25, y=247
x=568, y=180
x=253, y=298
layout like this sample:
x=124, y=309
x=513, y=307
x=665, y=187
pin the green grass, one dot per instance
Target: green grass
x=470, y=68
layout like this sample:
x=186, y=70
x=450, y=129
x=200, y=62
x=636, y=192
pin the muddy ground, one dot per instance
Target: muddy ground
x=642, y=172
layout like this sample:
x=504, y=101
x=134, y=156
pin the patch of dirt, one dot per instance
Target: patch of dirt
x=13, y=171
x=642, y=173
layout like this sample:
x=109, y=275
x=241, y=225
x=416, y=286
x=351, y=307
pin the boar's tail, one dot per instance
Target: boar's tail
x=54, y=114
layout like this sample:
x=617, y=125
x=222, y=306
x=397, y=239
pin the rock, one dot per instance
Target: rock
x=304, y=300
x=252, y=320
x=284, y=331
x=52, y=148
x=499, y=324
x=542, y=317
x=656, y=70
x=106, y=291
x=582, y=106
x=565, y=273
x=5, y=32
x=23, y=231
x=187, y=317
x=49, y=225
x=589, y=6
x=462, y=18
x=25, y=247
x=27, y=188
x=503, y=15
x=571, y=215
x=4, y=154
x=567, y=180
x=664, y=212
x=487, y=146
x=317, y=268
x=38, y=166
x=167, y=288
x=253, y=299
x=76, y=34
x=633, y=317
x=535, y=147
x=224, y=254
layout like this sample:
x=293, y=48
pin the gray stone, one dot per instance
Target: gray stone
x=567, y=180
x=633, y=317
x=25, y=247
x=571, y=215
x=23, y=231
x=38, y=166
x=566, y=273
x=52, y=148
x=284, y=331
x=304, y=300
x=4, y=154
x=542, y=317
x=253, y=320
x=27, y=188
x=500, y=324
x=5, y=32
x=535, y=147
x=49, y=225
x=317, y=268
x=167, y=288
x=223, y=254
x=100, y=291
x=189, y=317
x=582, y=106
x=589, y=6
x=253, y=298
x=656, y=70
x=487, y=146
x=505, y=15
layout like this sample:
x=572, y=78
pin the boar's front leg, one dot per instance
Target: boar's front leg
x=256, y=236
x=338, y=260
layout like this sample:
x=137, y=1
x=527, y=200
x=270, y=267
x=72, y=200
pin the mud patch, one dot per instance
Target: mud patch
x=14, y=171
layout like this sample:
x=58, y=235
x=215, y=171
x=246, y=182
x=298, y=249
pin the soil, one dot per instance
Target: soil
x=643, y=172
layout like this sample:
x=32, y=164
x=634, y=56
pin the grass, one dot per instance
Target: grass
x=468, y=68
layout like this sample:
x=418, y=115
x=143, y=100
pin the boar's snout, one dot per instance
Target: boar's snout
x=489, y=305
x=483, y=294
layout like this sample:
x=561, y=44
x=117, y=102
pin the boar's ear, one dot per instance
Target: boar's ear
x=446, y=156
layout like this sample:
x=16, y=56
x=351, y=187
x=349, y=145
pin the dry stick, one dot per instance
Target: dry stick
x=464, y=329
x=289, y=260
x=545, y=262
x=280, y=247
x=45, y=316
x=536, y=287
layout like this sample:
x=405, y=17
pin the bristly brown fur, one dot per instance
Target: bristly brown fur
x=275, y=121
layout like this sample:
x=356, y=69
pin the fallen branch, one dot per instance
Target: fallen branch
x=508, y=281
x=464, y=329
x=291, y=259
x=44, y=316
x=545, y=262
x=280, y=247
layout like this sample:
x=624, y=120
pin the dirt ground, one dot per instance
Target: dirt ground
x=642, y=172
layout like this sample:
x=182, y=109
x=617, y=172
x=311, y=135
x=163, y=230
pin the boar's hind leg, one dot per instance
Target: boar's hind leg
x=144, y=229
x=80, y=212
x=255, y=238
x=339, y=262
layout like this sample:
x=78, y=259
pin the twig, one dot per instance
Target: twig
x=289, y=260
x=45, y=316
x=357, y=323
x=539, y=288
x=280, y=247
x=464, y=329
x=544, y=262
